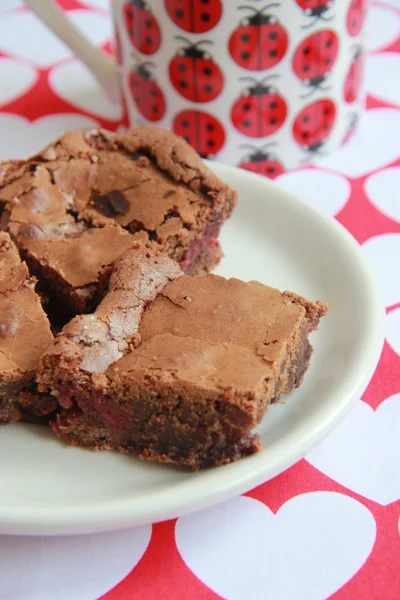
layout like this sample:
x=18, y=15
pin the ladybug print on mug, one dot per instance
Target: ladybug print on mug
x=260, y=160
x=353, y=81
x=259, y=42
x=195, y=16
x=260, y=111
x=194, y=74
x=316, y=10
x=201, y=130
x=355, y=16
x=142, y=27
x=314, y=124
x=315, y=57
x=147, y=95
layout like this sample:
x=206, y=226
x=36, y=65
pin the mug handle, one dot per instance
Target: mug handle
x=102, y=66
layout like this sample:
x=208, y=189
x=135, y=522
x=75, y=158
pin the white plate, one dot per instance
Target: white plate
x=49, y=488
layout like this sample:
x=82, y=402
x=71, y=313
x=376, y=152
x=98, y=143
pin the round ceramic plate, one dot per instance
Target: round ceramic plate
x=278, y=239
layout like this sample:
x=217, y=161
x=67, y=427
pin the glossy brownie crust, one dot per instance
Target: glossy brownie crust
x=24, y=335
x=174, y=368
x=76, y=206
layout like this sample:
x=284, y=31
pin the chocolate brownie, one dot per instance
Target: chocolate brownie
x=175, y=368
x=77, y=205
x=24, y=336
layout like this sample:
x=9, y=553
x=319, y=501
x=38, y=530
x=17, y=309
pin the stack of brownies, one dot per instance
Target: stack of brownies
x=112, y=330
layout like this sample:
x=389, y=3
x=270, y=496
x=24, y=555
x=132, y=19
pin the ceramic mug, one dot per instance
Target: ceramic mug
x=263, y=85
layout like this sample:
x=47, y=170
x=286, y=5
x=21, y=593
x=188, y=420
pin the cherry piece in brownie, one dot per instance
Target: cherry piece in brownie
x=24, y=336
x=175, y=368
x=77, y=205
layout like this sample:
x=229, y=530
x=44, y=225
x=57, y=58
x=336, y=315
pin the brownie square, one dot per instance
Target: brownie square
x=175, y=368
x=24, y=336
x=77, y=205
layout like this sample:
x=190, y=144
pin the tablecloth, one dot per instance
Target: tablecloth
x=289, y=538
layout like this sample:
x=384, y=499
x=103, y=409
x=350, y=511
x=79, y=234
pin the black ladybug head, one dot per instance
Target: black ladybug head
x=318, y=11
x=144, y=71
x=193, y=50
x=315, y=82
x=260, y=88
x=315, y=147
x=259, y=154
x=259, y=17
x=139, y=4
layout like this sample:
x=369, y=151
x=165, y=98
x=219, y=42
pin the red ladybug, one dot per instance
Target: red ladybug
x=146, y=93
x=355, y=16
x=315, y=57
x=314, y=123
x=194, y=74
x=315, y=9
x=194, y=15
x=354, y=77
x=262, y=162
x=353, y=121
x=201, y=130
x=260, y=111
x=259, y=42
x=143, y=29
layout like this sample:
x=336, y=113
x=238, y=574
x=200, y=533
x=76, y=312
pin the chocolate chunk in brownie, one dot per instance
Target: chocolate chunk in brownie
x=24, y=335
x=175, y=368
x=77, y=205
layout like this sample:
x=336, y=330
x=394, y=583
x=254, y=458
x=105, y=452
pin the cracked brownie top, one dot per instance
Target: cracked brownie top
x=147, y=180
x=74, y=207
x=199, y=329
x=21, y=315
